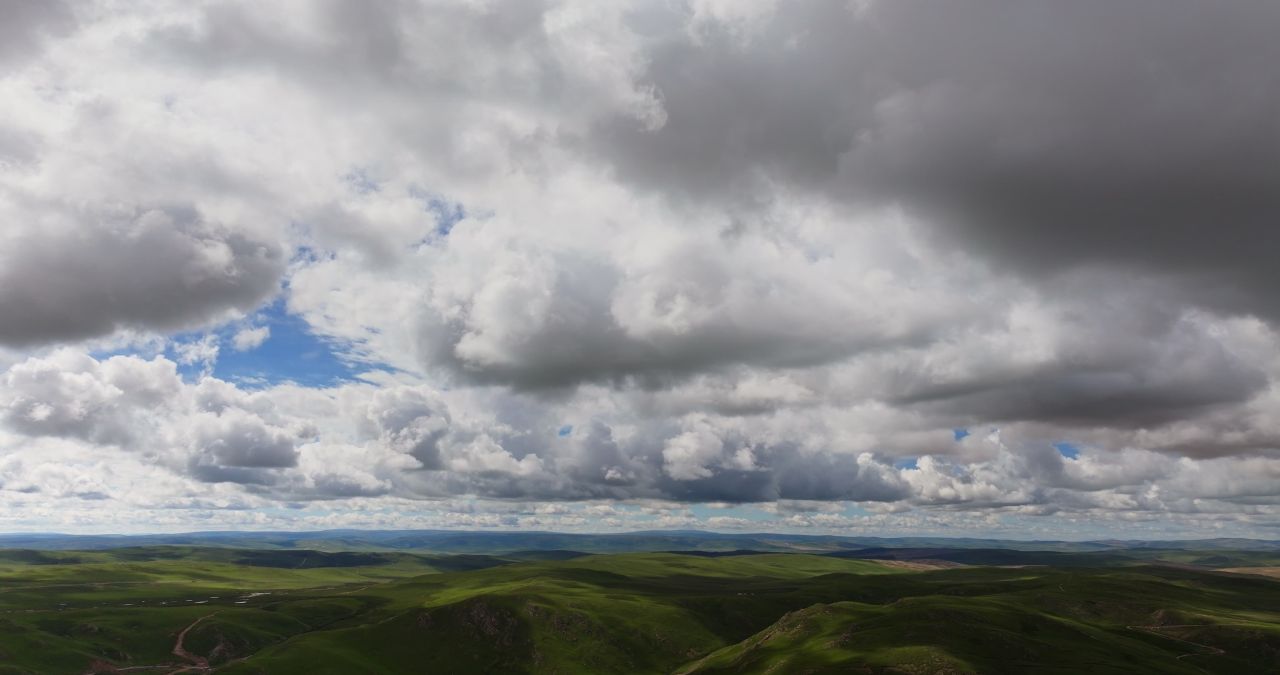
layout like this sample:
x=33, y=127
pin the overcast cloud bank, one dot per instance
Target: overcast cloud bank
x=894, y=266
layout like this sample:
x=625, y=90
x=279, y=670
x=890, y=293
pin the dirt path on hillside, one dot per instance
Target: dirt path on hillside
x=199, y=663
x=1156, y=630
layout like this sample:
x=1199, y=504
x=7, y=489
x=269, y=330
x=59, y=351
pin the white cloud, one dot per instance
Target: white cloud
x=250, y=338
x=686, y=456
x=203, y=352
x=751, y=252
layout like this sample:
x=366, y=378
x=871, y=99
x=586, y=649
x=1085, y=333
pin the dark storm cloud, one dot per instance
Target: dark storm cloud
x=1139, y=134
x=789, y=473
x=597, y=459
x=581, y=336
x=207, y=470
x=1113, y=366
x=781, y=104
x=1046, y=135
x=158, y=269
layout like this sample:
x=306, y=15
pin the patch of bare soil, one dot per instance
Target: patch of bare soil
x=1273, y=572
x=199, y=664
x=921, y=565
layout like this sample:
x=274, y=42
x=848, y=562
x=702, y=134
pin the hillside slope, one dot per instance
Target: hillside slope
x=273, y=612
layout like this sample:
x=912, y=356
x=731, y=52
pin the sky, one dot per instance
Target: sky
x=864, y=267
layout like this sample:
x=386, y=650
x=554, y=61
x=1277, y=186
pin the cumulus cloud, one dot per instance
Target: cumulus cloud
x=250, y=338
x=67, y=275
x=411, y=421
x=407, y=441
x=769, y=253
x=143, y=406
x=1045, y=136
x=73, y=395
x=239, y=439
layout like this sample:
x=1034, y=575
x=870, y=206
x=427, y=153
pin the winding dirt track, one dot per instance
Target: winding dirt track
x=1155, y=630
x=198, y=663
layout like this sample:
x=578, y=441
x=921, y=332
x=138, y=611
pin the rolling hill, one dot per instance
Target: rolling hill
x=269, y=611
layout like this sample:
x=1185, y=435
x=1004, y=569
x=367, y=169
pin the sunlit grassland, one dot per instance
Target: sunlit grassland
x=281, y=612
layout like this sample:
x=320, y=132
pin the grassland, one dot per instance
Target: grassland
x=197, y=609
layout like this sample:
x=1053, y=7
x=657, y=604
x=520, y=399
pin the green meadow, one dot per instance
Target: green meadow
x=252, y=611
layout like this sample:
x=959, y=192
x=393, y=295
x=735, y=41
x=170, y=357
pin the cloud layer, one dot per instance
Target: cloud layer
x=822, y=264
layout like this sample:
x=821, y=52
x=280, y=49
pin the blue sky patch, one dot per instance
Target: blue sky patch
x=292, y=353
x=1068, y=450
x=960, y=434
x=360, y=181
x=447, y=213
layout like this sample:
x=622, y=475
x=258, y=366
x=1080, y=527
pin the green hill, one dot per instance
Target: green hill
x=287, y=611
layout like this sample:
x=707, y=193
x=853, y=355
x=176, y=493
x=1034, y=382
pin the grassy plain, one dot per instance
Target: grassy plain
x=197, y=609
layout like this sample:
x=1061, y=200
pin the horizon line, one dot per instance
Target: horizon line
x=793, y=535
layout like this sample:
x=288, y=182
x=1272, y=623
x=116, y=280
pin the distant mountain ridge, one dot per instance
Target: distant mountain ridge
x=456, y=541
